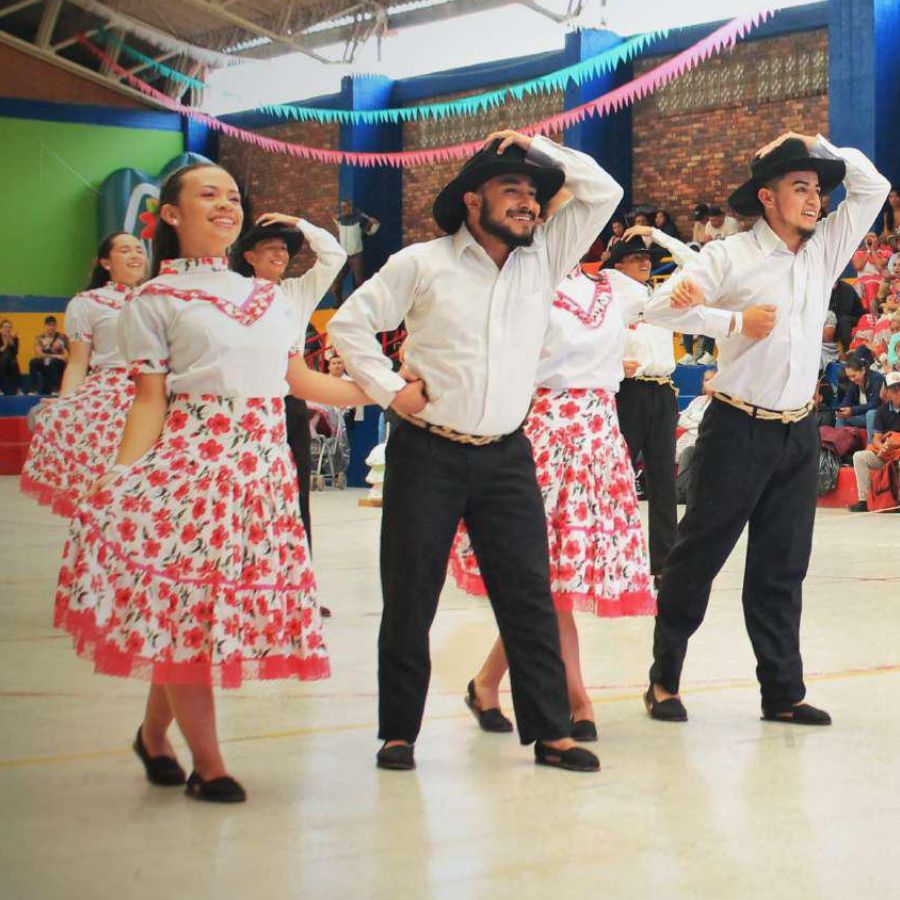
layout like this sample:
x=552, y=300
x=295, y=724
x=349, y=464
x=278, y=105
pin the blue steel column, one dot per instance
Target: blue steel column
x=864, y=79
x=378, y=192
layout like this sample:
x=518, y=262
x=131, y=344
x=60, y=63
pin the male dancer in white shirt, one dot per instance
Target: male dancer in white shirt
x=476, y=304
x=756, y=455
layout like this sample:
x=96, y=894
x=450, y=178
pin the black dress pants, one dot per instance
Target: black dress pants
x=746, y=472
x=430, y=485
x=297, y=426
x=648, y=416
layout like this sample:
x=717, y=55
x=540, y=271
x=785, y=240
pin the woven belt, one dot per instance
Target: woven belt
x=786, y=416
x=658, y=379
x=474, y=440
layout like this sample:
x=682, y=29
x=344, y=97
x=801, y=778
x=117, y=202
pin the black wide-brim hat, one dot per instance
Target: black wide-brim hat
x=449, y=211
x=621, y=249
x=791, y=155
x=292, y=237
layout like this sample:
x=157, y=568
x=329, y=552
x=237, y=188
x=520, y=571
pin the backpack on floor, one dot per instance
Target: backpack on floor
x=829, y=466
x=884, y=489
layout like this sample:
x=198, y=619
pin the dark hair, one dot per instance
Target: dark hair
x=50, y=320
x=855, y=361
x=99, y=275
x=668, y=226
x=890, y=220
x=715, y=211
x=701, y=210
x=165, y=238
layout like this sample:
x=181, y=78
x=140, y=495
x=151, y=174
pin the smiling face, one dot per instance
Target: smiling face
x=269, y=258
x=857, y=376
x=207, y=215
x=127, y=261
x=505, y=207
x=636, y=266
x=618, y=228
x=792, y=203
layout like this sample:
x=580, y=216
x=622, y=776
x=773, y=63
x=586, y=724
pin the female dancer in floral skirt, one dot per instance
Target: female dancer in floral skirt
x=188, y=564
x=76, y=436
x=598, y=561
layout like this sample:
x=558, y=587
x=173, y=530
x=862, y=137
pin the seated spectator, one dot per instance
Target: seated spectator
x=885, y=443
x=51, y=349
x=893, y=350
x=618, y=229
x=824, y=399
x=701, y=217
x=10, y=376
x=689, y=421
x=848, y=309
x=719, y=225
x=870, y=264
x=829, y=341
x=890, y=233
x=861, y=401
x=665, y=223
x=863, y=335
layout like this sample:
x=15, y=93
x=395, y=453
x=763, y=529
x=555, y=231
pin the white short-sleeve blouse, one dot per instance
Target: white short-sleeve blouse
x=211, y=330
x=92, y=317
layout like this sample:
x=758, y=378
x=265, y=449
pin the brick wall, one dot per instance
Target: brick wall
x=28, y=78
x=694, y=139
x=280, y=183
x=422, y=184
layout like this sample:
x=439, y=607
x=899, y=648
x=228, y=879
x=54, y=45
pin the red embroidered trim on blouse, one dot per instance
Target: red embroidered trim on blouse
x=111, y=302
x=596, y=312
x=256, y=304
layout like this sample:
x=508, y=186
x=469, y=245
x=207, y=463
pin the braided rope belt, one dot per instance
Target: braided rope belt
x=786, y=416
x=658, y=379
x=474, y=440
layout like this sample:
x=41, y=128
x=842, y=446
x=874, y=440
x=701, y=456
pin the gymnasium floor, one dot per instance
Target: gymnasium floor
x=725, y=807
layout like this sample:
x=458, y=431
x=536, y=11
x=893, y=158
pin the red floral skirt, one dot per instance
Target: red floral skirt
x=76, y=439
x=193, y=567
x=598, y=560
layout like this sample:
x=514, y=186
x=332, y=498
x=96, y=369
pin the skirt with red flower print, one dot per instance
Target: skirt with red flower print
x=76, y=439
x=598, y=559
x=193, y=567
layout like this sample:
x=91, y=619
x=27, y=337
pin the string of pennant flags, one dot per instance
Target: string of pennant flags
x=577, y=74
x=721, y=39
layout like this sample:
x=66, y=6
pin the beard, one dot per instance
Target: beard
x=500, y=230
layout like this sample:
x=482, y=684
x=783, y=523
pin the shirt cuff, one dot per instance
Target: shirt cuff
x=542, y=152
x=718, y=321
x=384, y=391
x=824, y=149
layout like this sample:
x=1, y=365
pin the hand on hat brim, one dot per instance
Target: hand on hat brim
x=788, y=135
x=507, y=137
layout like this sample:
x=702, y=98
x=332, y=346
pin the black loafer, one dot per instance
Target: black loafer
x=399, y=757
x=671, y=710
x=584, y=731
x=575, y=759
x=163, y=771
x=217, y=790
x=803, y=714
x=489, y=719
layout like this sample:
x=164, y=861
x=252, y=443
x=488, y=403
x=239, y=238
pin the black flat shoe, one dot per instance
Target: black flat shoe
x=217, y=790
x=399, y=758
x=575, y=759
x=584, y=731
x=671, y=710
x=803, y=714
x=489, y=719
x=163, y=771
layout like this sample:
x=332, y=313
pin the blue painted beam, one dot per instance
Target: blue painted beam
x=89, y=114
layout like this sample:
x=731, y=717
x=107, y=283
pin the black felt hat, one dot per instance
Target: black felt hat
x=449, y=210
x=292, y=237
x=791, y=155
x=621, y=249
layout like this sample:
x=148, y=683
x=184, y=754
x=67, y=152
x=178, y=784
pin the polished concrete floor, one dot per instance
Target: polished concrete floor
x=724, y=807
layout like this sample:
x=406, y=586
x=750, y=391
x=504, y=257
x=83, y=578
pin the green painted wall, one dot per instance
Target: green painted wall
x=50, y=173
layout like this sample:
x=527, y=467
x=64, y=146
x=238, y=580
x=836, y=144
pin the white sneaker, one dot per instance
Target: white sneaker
x=706, y=360
x=687, y=360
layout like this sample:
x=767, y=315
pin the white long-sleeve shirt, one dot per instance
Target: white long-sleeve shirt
x=778, y=372
x=475, y=331
x=306, y=291
x=648, y=344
